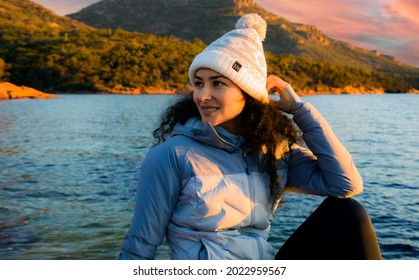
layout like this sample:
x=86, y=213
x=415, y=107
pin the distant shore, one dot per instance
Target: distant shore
x=332, y=91
x=11, y=91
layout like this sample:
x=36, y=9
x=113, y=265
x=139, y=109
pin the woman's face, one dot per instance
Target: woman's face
x=218, y=99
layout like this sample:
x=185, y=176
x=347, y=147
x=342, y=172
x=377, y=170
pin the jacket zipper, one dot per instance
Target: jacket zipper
x=243, y=153
x=251, y=189
x=246, y=165
x=260, y=248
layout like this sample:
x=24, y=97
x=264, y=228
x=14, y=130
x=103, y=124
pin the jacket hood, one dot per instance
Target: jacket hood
x=208, y=134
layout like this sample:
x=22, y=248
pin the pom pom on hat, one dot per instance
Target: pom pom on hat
x=254, y=21
x=238, y=55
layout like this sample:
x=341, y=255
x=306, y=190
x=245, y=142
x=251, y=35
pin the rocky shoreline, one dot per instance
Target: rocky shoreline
x=11, y=91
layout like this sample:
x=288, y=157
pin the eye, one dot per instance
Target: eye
x=218, y=84
x=198, y=84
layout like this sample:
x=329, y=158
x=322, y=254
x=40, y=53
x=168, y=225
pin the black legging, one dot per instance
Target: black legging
x=339, y=229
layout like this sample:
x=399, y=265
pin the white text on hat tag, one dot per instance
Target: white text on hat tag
x=237, y=66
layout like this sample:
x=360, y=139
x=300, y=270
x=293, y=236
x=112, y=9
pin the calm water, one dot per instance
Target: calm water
x=68, y=169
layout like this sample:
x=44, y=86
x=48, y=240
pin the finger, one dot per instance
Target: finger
x=271, y=82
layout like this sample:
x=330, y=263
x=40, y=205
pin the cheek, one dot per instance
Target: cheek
x=240, y=103
x=234, y=111
x=240, y=107
x=195, y=98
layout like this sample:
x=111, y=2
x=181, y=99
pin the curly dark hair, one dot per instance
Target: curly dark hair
x=268, y=129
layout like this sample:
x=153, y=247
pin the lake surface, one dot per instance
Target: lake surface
x=68, y=170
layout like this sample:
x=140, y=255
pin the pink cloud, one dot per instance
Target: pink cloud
x=391, y=26
x=340, y=19
x=404, y=9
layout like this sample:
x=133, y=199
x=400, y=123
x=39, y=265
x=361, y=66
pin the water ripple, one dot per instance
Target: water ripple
x=69, y=168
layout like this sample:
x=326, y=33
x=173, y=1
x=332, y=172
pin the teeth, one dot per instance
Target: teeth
x=210, y=109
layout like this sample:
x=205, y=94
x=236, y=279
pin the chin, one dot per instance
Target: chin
x=207, y=120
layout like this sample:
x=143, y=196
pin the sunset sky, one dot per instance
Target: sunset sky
x=390, y=26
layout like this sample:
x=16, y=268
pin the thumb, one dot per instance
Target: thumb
x=275, y=83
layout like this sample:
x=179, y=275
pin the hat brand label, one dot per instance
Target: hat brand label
x=237, y=66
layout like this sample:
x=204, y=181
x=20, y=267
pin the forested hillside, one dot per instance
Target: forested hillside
x=48, y=52
x=208, y=20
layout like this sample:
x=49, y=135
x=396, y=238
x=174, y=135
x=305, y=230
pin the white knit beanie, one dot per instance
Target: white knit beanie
x=239, y=56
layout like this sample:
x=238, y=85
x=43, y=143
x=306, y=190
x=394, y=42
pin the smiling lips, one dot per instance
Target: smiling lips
x=208, y=110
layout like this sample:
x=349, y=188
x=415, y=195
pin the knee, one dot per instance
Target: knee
x=348, y=209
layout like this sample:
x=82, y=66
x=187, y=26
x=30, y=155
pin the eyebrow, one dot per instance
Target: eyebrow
x=212, y=77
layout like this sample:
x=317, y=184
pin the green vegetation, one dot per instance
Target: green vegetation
x=57, y=54
x=4, y=74
x=312, y=75
x=54, y=53
x=100, y=60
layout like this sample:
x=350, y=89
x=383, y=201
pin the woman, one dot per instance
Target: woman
x=227, y=153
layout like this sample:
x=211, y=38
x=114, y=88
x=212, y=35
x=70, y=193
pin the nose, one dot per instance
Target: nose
x=204, y=94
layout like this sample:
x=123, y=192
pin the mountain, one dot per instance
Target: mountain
x=58, y=54
x=42, y=50
x=208, y=20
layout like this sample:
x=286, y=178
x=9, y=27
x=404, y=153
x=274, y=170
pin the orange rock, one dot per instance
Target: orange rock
x=11, y=91
x=413, y=91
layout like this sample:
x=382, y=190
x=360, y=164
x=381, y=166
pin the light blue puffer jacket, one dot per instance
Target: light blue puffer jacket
x=211, y=201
